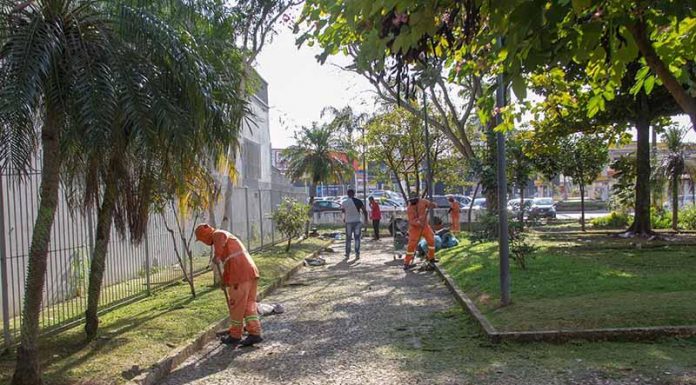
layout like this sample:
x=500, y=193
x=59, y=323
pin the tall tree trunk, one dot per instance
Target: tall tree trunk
x=520, y=216
x=471, y=205
x=312, y=193
x=641, y=223
x=98, y=265
x=28, y=369
x=582, y=206
x=226, y=224
x=675, y=202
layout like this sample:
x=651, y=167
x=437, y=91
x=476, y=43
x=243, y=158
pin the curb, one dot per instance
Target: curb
x=608, y=334
x=163, y=367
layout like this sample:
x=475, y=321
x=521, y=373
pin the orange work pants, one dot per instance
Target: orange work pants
x=242, y=308
x=414, y=236
x=455, y=222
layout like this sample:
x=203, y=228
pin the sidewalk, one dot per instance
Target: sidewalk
x=341, y=324
x=369, y=322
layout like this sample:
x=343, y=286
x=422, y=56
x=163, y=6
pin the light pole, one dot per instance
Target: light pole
x=503, y=240
x=364, y=162
x=428, y=170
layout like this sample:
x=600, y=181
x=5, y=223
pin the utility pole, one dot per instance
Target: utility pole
x=364, y=162
x=428, y=169
x=503, y=240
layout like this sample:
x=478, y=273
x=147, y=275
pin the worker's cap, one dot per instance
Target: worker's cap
x=413, y=195
x=204, y=233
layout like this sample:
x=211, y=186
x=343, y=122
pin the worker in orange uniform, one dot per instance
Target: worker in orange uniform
x=454, y=211
x=240, y=279
x=418, y=227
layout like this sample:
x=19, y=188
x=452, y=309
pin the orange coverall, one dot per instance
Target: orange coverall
x=418, y=227
x=455, y=210
x=240, y=278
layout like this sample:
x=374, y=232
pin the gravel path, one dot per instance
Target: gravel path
x=339, y=322
x=368, y=322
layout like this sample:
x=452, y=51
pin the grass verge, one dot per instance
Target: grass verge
x=581, y=281
x=133, y=337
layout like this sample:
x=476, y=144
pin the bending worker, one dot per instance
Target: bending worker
x=454, y=211
x=240, y=279
x=418, y=227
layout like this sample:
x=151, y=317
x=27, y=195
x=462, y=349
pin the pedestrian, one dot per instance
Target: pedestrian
x=240, y=279
x=454, y=211
x=418, y=227
x=351, y=208
x=376, y=216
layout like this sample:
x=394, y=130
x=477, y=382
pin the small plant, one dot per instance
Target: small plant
x=687, y=218
x=660, y=219
x=487, y=230
x=520, y=248
x=289, y=219
x=614, y=220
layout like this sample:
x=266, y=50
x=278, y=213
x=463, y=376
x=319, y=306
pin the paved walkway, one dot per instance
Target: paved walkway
x=341, y=324
x=368, y=322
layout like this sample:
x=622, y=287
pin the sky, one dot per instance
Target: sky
x=299, y=87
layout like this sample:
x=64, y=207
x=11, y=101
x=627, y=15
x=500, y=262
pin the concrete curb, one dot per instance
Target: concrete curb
x=608, y=334
x=163, y=367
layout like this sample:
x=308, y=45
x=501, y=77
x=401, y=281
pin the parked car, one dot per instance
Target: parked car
x=464, y=200
x=323, y=206
x=442, y=201
x=684, y=200
x=542, y=208
x=513, y=206
x=479, y=204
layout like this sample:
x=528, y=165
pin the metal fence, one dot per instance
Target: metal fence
x=133, y=270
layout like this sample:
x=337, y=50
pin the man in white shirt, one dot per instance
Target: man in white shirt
x=351, y=209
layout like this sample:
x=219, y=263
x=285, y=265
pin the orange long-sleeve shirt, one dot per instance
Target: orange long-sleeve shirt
x=239, y=267
x=418, y=213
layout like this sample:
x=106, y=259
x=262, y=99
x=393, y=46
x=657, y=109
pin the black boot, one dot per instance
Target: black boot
x=231, y=341
x=251, y=339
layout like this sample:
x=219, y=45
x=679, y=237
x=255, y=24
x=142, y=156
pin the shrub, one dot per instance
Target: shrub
x=289, y=218
x=659, y=219
x=614, y=220
x=687, y=218
x=520, y=248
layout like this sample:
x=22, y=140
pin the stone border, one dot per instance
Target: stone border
x=166, y=365
x=609, y=334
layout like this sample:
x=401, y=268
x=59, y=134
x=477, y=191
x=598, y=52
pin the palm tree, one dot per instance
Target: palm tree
x=675, y=164
x=53, y=52
x=346, y=121
x=142, y=159
x=91, y=77
x=318, y=156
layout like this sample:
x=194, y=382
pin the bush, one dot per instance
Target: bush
x=660, y=219
x=687, y=218
x=289, y=218
x=520, y=248
x=615, y=220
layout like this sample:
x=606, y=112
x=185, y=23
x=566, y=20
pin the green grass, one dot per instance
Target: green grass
x=141, y=333
x=582, y=281
x=451, y=348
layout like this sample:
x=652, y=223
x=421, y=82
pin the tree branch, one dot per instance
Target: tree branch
x=685, y=101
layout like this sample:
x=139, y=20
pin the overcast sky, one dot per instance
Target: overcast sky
x=299, y=87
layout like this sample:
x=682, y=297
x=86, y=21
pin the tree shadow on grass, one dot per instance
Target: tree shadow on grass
x=74, y=352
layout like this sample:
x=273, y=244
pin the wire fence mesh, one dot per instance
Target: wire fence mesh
x=133, y=270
